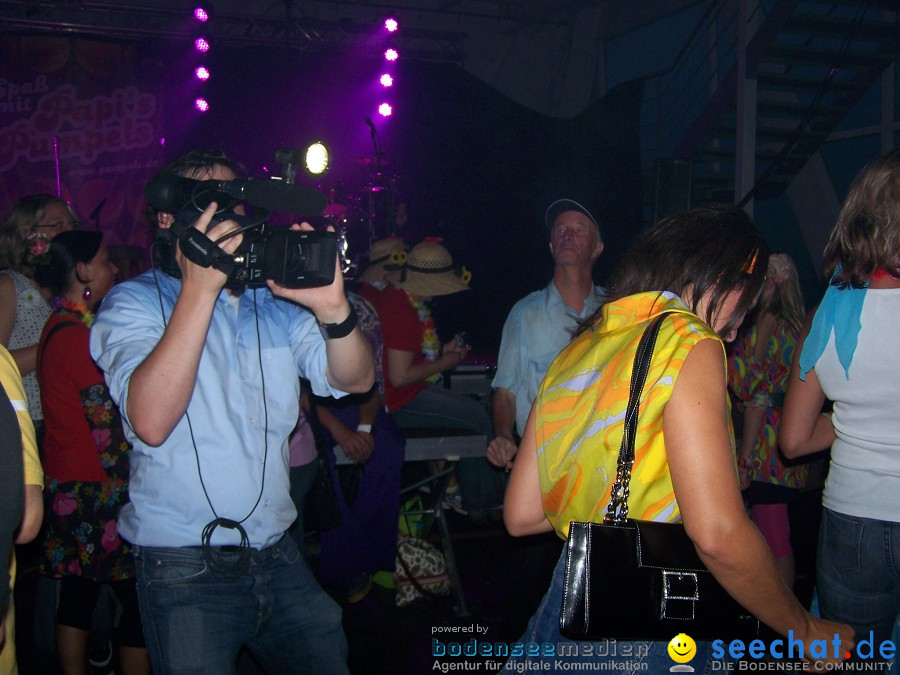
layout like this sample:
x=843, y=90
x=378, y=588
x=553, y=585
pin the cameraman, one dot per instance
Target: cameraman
x=208, y=383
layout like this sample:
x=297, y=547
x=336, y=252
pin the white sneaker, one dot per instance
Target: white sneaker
x=453, y=501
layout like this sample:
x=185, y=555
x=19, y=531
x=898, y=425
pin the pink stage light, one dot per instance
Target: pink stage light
x=201, y=15
x=201, y=45
x=201, y=104
x=391, y=55
x=202, y=73
x=391, y=25
x=385, y=109
x=386, y=80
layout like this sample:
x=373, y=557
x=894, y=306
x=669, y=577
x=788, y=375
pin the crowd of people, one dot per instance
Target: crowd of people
x=162, y=436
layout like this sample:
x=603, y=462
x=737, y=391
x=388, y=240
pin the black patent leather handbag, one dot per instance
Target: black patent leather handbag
x=641, y=580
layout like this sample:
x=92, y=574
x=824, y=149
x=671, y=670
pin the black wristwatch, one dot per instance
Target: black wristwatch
x=333, y=331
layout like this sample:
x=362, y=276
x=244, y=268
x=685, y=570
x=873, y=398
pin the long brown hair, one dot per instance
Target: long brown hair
x=18, y=224
x=712, y=248
x=867, y=233
x=787, y=298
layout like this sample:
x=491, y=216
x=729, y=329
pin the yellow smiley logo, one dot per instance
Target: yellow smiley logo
x=682, y=648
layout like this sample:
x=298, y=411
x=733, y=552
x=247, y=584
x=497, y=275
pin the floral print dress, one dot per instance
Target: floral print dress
x=86, y=458
x=763, y=382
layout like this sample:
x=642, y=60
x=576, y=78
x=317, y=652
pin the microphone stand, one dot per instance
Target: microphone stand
x=95, y=214
x=375, y=145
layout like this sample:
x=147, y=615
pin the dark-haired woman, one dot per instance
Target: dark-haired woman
x=85, y=456
x=850, y=354
x=706, y=267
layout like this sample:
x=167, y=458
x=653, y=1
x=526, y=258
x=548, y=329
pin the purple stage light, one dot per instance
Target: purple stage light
x=391, y=25
x=202, y=73
x=385, y=109
x=201, y=104
x=201, y=45
x=391, y=55
x=386, y=80
x=201, y=15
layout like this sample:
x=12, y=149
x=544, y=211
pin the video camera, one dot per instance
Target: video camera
x=292, y=258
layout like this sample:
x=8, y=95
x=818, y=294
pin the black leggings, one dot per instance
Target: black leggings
x=77, y=597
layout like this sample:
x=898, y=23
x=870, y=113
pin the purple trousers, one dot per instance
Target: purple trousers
x=366, y=540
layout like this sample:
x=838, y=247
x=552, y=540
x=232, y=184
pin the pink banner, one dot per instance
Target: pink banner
x=81, y=103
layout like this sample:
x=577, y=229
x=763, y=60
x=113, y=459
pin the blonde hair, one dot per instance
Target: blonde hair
x=867, y=233
x=787, y=298
x=18, y=224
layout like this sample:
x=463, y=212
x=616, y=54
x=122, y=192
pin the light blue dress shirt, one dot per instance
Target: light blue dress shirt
x=246, y=396
x=537, y=328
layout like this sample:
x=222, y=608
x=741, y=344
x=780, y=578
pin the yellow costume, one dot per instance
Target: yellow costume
x=34, y=475
x=580, y=412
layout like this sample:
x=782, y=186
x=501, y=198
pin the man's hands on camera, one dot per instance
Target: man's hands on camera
x=328, y=303
x=208, y=278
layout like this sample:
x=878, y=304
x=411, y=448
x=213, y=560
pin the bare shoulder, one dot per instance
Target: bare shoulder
x=704, y=366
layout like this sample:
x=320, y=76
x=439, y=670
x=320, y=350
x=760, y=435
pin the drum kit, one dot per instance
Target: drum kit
x=365, y=214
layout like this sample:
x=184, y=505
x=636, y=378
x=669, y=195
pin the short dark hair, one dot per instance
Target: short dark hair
x=712, y=248
x=867, y=233
x=190, y=165
x=66, y=250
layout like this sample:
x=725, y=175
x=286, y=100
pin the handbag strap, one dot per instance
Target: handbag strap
x=617, y=510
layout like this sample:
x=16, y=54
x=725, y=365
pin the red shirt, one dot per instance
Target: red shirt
x=65, y=370
x=401, y=330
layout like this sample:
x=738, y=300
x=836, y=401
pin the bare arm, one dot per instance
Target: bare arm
x=403, y=372
x=702, y=467
x=523, y=511
x=503, y=447
x=33, y=514
x=803, y=429
x=25, y=357
x=351, y=367
x=753, y=419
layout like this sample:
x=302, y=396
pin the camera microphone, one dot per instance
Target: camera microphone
x=170, y=193
x=275, y=195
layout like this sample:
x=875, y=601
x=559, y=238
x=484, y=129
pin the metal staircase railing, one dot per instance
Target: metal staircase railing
x=805, y=64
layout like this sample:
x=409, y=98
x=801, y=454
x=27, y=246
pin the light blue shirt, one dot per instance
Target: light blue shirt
x=537, y=328
x=247, y=392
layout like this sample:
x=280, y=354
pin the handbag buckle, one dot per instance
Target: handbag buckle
x=681, y=593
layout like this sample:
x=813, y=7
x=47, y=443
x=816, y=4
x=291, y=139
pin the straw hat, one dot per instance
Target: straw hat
x=390, y=251
x=429, y=271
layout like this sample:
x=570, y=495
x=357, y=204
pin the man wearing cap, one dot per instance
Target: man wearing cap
x=541, y=324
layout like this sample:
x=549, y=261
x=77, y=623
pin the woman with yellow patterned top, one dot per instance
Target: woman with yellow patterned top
x=706, y=267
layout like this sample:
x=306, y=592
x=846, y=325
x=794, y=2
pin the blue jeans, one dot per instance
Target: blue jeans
x=196, y=619
x=618, y=656
x=481, y=484
x=858, y=573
